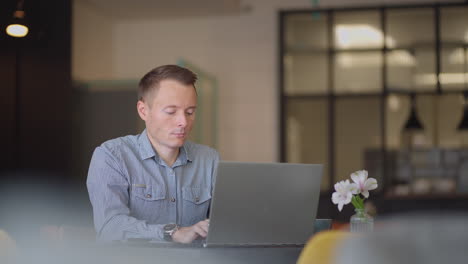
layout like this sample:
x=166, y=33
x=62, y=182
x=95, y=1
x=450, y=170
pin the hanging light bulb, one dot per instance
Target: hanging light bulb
x=413, y=122
x=18, y=26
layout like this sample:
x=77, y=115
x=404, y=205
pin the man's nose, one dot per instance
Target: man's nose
x=182, y=120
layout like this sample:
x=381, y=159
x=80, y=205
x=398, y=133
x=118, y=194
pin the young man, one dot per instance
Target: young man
x=155, y=185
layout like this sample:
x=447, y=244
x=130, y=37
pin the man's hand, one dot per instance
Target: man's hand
x=187, y=234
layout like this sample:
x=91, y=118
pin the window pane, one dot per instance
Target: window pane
x=449, y=115
x=411, y=70
x=453, y=72
x=454, y=24
x=357, y=30
x=306, y=73
x=426, y=109
x=411, y=40
x=454, y=41
x=410, y=27
x=358, y=72
x=306, y=32
x=305, y=60
x=357, y=136
x=397, y=112
x=307, y=133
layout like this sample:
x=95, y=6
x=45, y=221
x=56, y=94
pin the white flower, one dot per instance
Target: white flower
x=363, y=183
x=344, y=193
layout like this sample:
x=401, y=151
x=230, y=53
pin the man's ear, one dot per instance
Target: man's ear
x=142, y=109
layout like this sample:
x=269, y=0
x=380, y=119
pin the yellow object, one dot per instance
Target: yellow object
x=321, y=249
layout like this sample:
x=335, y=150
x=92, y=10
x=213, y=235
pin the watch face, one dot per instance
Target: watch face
x=169, y=227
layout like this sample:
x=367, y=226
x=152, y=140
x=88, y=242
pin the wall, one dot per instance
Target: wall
x=91, y=43
x=35, y=76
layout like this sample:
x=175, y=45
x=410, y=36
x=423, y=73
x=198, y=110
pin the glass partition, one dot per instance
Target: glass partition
x=454, y=44
x=357, y=133
x=307, y=136
x=348, y=76
x=358, y=40
x=411, y=50
x=306, y=54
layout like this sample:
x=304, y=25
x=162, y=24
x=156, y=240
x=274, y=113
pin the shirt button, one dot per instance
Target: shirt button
x=197, y=199
x=148, y=195
x=172, y=199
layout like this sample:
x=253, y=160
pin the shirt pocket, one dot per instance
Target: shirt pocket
x=148, y=192
x=196, y=201
x=148, y=202
x=196, y=195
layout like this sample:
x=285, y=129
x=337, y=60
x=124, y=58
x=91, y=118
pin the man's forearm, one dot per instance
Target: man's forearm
x=123, y=227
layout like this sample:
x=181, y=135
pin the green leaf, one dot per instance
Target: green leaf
x=358, y=202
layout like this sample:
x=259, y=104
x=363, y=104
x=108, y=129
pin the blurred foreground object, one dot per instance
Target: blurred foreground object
x=67, y=234
x=7, y=247
x=322, y=247
x=423, y=238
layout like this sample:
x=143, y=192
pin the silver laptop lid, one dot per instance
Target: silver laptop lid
x=264, y=203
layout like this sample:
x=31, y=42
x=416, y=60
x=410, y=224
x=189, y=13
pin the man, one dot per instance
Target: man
x=155, y=185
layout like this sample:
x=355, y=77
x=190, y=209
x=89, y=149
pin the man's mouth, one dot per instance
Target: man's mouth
x=179, y=135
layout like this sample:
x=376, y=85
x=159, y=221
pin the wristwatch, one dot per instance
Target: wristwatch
x=169, y=230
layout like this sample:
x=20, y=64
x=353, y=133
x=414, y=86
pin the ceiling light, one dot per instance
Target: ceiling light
x=18, y=28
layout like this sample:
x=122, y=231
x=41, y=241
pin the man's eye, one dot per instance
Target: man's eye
x=190, y=112
x=170, y=112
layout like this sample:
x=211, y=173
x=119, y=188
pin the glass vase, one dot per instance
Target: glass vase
x=361, y=221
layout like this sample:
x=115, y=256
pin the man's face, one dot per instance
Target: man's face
x=169, y=114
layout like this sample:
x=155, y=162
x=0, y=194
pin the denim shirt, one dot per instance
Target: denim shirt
x=134, y=193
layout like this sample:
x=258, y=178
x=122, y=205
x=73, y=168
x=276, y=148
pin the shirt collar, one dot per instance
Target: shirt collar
x=147, y=151
x=183, y=157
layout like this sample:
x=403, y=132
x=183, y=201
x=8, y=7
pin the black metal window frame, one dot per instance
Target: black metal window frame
x=331, y=96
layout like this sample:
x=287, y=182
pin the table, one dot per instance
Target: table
x=142, y=254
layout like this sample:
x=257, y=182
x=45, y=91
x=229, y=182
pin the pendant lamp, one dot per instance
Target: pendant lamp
x=18, y=28
x=413, y=122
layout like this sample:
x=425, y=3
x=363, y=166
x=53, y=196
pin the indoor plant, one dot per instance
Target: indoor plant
x=355, y=193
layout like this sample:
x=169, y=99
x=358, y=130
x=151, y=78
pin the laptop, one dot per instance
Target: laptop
x=263, y=204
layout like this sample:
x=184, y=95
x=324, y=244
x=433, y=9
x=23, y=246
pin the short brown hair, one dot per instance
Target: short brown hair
x=150, y=82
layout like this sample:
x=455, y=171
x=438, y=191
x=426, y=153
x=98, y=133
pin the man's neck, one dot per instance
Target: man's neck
x=169, y=155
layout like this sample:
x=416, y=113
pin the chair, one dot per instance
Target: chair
x=320, y=249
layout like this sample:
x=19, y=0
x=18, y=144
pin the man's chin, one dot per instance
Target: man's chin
x=178, y=143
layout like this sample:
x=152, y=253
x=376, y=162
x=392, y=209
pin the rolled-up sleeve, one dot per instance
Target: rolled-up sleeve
x=108, y=188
